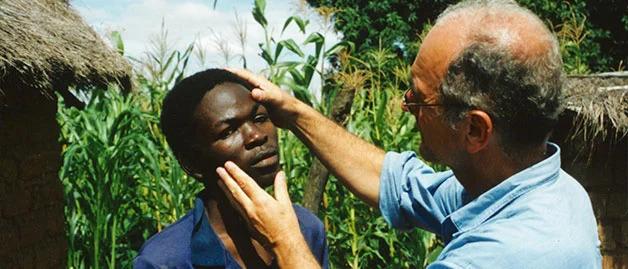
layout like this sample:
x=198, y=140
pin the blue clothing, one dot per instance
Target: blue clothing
x=538, y=218
x=192, y=243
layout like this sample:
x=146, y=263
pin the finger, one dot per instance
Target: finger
x=233, y=189
x=255, y=80
x=263, y=89
x=281, y=188
x=267, y=94
x=259, y=95
x=234, y=203
x=244, y=181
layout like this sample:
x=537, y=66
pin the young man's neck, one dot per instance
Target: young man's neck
x=232, y=230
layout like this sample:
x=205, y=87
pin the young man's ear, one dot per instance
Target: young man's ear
x=479, y=132
x=189, y=168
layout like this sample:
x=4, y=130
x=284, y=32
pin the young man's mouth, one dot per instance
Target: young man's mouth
x=265, y=159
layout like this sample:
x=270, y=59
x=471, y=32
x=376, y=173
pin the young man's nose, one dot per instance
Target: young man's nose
x=253, y=135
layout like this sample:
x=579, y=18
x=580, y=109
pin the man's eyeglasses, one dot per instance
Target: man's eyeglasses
x=407, y=105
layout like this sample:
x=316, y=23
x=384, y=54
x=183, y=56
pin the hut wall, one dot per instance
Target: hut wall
x=31, y=195
x=603, y=171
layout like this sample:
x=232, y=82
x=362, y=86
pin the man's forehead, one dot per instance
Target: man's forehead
x=517, y=32
x=430, y=66
x=520, y=33
x=225, y=101
x=233, y=114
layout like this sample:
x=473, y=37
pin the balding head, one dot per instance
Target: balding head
x=500, y=23
x=497, y=57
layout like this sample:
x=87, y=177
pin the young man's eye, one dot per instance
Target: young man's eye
x=226, y=133
x=261, y=118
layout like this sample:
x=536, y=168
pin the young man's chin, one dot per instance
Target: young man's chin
x=266, y=177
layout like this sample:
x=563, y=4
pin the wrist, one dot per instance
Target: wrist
x=286, y=248
x=296, y=114
x=288, y=241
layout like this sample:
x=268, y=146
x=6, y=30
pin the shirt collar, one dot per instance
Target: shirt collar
x=487, y=204
x=207, y=249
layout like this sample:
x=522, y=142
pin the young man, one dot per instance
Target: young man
x=209, y=118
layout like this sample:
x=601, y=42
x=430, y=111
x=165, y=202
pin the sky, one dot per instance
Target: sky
x=188, y=21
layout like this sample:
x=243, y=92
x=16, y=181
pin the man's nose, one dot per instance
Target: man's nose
x=253, y=135
x=404, y=108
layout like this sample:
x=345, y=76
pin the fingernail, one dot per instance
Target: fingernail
x=220, y=170
x=256, y=94
x=229, y=164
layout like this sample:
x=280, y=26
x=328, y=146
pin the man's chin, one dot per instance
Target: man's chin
x=427, y=155
x=265, y=177
x=266, y=180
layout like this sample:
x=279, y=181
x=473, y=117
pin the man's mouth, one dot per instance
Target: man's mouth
x=265, y=159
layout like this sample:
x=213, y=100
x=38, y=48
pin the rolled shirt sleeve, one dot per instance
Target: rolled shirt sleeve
x=413, y=195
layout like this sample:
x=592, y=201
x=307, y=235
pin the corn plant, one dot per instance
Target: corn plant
x=107, y=154
x=358, y=238
x=121, y=182
x=571, y=35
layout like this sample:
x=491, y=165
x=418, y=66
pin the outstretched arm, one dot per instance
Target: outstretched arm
x=354, y=161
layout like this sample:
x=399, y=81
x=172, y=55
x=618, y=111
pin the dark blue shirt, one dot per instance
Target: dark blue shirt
x=192, y=243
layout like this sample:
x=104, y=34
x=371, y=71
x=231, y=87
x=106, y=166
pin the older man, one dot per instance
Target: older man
x=487, y=93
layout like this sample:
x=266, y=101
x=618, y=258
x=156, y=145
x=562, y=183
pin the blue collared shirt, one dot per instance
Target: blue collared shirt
x=192, y=243
x=540, y=217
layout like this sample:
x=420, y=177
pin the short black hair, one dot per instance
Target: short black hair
x=180, y=103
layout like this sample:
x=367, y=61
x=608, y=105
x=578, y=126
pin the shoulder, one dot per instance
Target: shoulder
x=520, y=243
x=313, y=231
x=308, y=222
x=170, y=247
x=563, y=204
x=485, y=252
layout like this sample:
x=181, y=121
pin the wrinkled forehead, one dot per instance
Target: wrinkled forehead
x=520, y=33
x=439, y=47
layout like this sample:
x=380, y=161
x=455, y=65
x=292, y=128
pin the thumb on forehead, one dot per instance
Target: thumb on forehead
x=258, y=95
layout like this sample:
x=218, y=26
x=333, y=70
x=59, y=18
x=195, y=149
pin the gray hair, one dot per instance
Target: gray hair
x=523, y=95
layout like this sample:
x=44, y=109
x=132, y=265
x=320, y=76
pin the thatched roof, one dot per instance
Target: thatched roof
x=600, y=102
x=46, y=45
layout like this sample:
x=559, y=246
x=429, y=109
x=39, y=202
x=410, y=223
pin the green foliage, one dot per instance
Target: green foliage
x=572, y=37
x=104, y=152
x=390, y=22
x=603, y=37
x=358, y=236
x=122, y=183
x=116, y=39
x=397, y=22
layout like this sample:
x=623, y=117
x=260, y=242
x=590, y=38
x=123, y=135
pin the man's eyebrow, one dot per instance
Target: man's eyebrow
x=233, y=119
x=226, y=120
x=254, y=110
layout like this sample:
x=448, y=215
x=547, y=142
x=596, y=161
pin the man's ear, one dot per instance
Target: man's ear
x=188, y=167
x=479, y=132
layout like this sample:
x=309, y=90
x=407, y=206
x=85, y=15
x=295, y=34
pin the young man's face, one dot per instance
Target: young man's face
x=230, y=126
